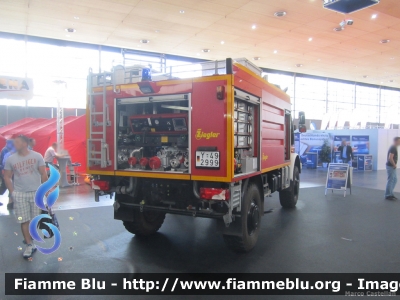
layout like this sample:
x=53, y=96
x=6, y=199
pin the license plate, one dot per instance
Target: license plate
x=207, y=159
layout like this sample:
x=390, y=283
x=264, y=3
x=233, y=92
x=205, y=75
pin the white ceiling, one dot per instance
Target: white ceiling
x=350, y=54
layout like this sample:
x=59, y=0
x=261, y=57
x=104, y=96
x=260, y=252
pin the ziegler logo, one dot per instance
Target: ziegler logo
x=264, y=157
x=206, y=135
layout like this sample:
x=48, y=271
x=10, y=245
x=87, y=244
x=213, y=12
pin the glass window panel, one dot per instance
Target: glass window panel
x=390, y=107
x=284, y=81
x=367, y=104
x=340, y=96
x=311, y=97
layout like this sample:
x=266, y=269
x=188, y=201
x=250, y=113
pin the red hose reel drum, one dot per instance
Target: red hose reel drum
x=155, y=162
x=132, y=161
x=143, y=161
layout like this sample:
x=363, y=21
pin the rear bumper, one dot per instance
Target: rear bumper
x=124, y=211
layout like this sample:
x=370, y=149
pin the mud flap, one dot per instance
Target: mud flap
x=124, y=213
x=234, y=228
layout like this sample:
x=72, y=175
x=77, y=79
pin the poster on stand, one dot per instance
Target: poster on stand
x=360, y=144
x=337, y=178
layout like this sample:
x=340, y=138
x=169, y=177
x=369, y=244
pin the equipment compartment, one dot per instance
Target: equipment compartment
x=246, y=157
x=153, y=134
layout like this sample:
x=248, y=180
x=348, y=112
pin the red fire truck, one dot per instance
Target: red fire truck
x=213, y=146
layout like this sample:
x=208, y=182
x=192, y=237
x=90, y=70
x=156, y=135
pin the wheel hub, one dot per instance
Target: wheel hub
x=253, y=218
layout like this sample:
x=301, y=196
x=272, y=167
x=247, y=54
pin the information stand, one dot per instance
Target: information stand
x=338, y=178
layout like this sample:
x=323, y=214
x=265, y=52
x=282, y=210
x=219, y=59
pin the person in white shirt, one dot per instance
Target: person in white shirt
x=51, y=154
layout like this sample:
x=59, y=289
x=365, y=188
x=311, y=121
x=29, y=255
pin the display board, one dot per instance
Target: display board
x=364, y=162
x=338, y=178
x=337, y=141
x=312, y=142
x=360, y=144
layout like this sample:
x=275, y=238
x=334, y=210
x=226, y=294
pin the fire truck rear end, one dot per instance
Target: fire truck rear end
x=211, y=146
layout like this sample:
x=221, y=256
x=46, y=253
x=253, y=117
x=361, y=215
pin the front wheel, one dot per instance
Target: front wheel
x=250, y=222
x=145, y=223
x=288, y=197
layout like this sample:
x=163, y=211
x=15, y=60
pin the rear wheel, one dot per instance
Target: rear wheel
x=288, y=197
x=145, y=223
x=250, y=222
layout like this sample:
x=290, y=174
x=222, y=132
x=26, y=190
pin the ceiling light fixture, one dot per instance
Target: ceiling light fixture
x=157, y=31
x=254, y=26
x=222, y=42
x=76, y=18
x=391, y=80
x=338, y=28
x=310, y=39
x=181, y=11
x=206, y=50
x=374, y=16
x=70, y=30
x=144, y=41
x=392, y=58
x=299, y=65
x=385, y=41
x=365, y=76
x=275, y=51
x=280, y=13
x=256, y=58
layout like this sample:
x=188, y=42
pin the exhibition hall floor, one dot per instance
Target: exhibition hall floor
x=330, y=233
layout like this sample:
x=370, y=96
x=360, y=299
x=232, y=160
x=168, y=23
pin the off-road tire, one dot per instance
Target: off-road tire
x=145, y=223
x=288, y=197
x=250, y=222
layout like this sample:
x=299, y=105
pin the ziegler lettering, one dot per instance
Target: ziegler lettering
x=264, y=157
x=206, y=135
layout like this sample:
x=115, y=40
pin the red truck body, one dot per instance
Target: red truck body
x=210, y=133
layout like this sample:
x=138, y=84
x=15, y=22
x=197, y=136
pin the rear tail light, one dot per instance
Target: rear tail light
x=215, y=194
x=101, y=185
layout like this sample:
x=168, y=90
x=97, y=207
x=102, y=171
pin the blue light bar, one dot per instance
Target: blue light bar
x=348, y=6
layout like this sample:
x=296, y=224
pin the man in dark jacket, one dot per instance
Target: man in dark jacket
x=346, y=152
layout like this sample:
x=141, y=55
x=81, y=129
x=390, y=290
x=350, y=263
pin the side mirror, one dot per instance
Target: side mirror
x=302, y=121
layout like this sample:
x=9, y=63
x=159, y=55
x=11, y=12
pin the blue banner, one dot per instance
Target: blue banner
x=360, y=144
x=337, y=140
